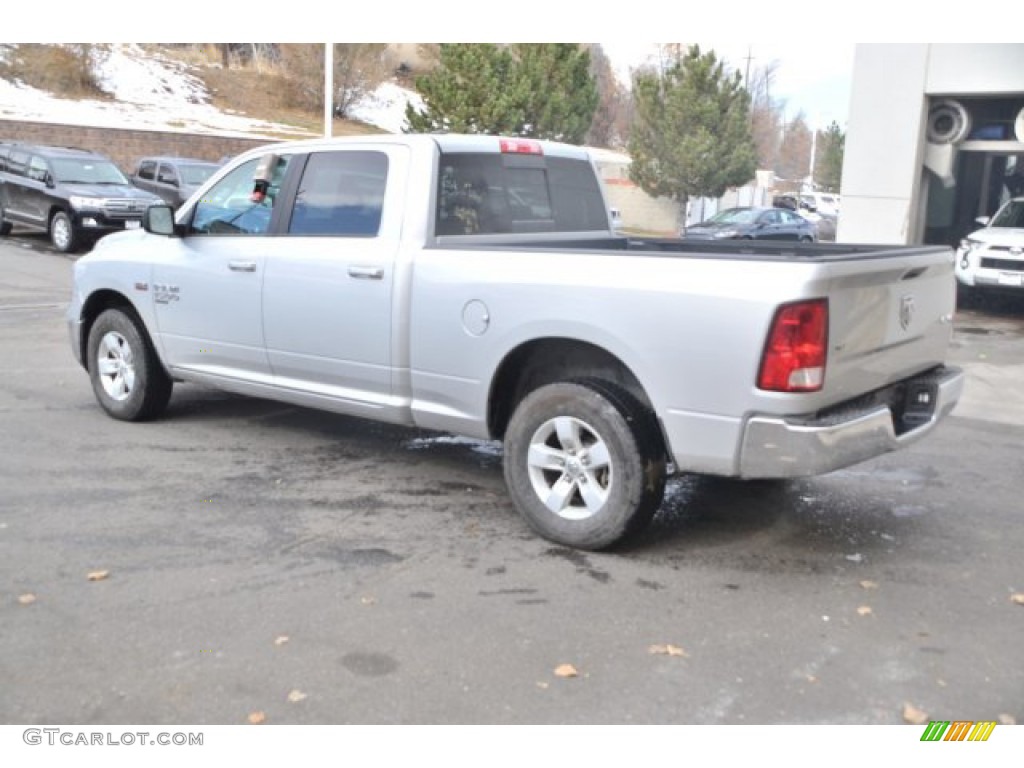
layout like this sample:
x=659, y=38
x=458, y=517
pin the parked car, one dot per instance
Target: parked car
x=753, y=224
x=993, y=257
x=824, y=203
x=172, y=178
x=74, y=195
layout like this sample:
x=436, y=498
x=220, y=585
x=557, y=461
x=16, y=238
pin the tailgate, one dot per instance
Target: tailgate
x=890, y=316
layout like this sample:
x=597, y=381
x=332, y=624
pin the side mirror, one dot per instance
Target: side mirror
x=48, y=180
x=159, y=220
x=983, y=220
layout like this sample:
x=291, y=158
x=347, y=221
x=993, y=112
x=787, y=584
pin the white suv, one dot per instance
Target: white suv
x=993, y=257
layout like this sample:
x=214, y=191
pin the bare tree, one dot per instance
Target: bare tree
x=358, y=69
x=610, y=126
x=766, y=115
x=795, y=150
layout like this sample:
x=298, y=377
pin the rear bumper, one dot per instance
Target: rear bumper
x=780, y=447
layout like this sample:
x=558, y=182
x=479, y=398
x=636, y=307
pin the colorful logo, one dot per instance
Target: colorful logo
x=958, y=730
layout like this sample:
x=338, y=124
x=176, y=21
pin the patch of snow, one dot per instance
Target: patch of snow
x=155, y=92
x=485, y=447
x=385, y=107
x=150, y=91
x=128, y=74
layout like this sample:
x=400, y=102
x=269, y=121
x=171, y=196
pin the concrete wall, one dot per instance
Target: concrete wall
x=655, y=216
x=883, y=185
x=125, y=147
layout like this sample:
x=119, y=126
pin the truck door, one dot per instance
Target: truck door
x=207, y=285
x=330, y=281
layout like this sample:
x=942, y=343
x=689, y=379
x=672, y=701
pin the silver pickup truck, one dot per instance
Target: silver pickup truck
x=475, y=285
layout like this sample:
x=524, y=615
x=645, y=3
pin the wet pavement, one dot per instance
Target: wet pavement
x=256, y=550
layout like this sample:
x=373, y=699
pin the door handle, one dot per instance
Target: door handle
x=366, y=273
x=242, y=266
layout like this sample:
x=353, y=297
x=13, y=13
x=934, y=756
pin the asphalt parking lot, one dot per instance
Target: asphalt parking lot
x=240, y=557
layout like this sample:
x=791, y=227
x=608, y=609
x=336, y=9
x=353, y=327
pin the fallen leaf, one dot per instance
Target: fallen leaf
x=97, y=575
x=864, y=610
x=280, y=639
x=868, y=584
x=296, y=696
x=256, y=718
x=668, y=650
x=27, y=599
x=1017, y=598
x=368, y=600
x=812, y=679
x=566, y=670
x=542, y=685
x=913, y=715
x=1007, y=720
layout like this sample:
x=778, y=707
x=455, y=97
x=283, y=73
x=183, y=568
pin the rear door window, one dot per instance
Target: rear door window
x=167, y=175
x=341, y=194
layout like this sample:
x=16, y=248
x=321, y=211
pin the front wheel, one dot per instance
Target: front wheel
x=127, y=378
x=62, y=232
x=584, y=463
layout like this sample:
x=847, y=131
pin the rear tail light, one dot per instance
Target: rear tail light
x=796, y=349
x=521, y=147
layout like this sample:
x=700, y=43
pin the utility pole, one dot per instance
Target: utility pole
x=328, y=89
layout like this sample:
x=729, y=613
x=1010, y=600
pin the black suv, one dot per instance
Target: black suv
x=74, y=195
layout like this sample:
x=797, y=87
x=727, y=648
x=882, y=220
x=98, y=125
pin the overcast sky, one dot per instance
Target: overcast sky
x=810, y=77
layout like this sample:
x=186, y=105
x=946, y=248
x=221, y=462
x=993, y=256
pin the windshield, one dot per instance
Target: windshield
x=734, y=216
x=194, y=175
x=73, y=170
x=1010, y=215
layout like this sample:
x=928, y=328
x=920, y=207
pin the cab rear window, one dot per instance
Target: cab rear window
x=484, y=194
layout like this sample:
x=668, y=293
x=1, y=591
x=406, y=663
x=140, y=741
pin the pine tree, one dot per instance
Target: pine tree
x=537, y=90
x=468, y=92
x=556, y=89
x=828, y=166
x=691, y=129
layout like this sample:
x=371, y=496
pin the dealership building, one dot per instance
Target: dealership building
x=935, y=139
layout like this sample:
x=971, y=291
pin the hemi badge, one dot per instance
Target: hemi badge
x=142, y=286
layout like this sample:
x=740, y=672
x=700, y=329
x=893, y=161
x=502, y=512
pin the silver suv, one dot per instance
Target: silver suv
x=172, y=178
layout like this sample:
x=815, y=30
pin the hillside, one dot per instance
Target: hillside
x=128, y=85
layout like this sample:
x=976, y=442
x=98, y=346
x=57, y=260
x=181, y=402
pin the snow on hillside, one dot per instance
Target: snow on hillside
x=385, y=108
x=152, y=91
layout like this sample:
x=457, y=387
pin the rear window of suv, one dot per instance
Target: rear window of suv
x=483, y=194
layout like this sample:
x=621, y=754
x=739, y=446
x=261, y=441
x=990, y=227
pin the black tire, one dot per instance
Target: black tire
x=605, y=468
x=967, y=296
x=63, y=234
x=127, y=377
x=5, y=226
x=806, y=239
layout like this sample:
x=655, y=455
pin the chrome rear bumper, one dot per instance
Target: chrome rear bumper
x=780, y=447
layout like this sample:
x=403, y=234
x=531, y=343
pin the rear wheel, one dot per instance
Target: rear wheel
x=584, y=463
x=127, y=378
x=62, y=232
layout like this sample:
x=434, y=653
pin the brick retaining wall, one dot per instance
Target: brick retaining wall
x=127, y=146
